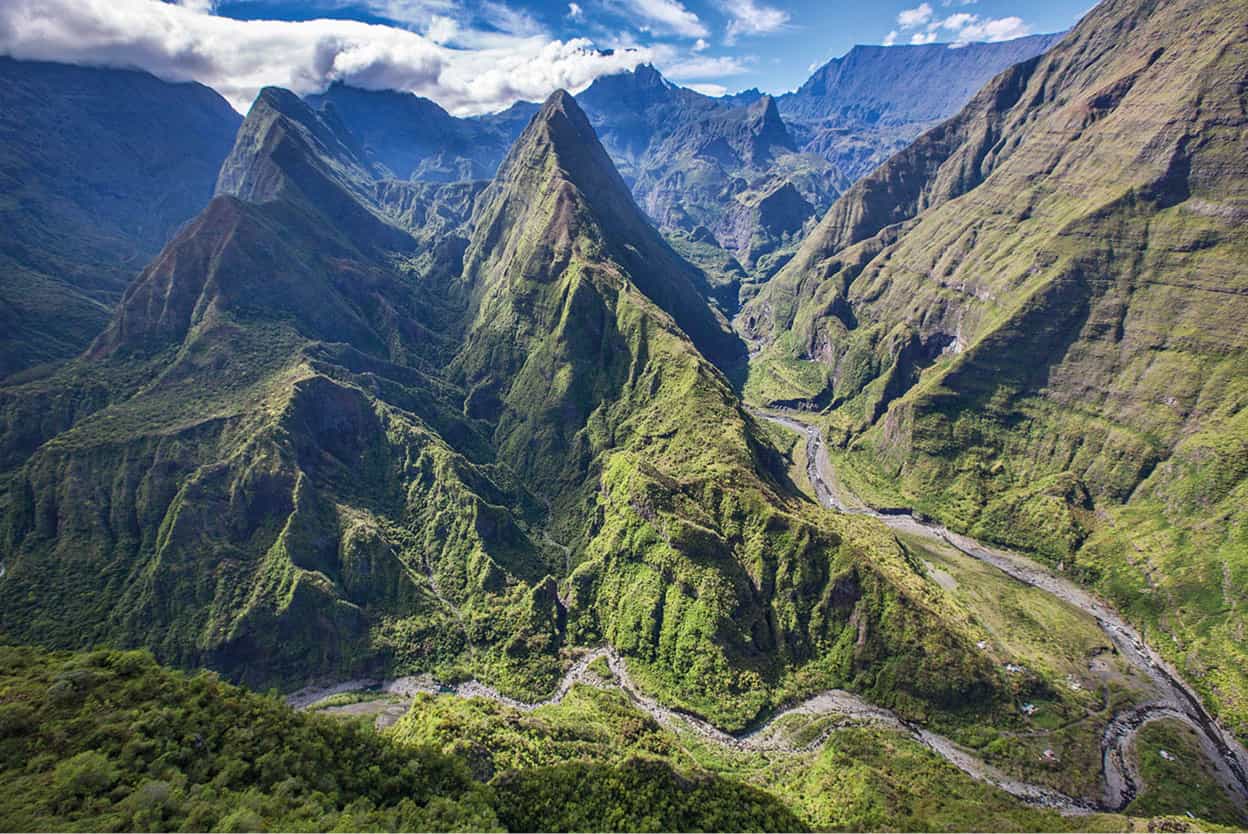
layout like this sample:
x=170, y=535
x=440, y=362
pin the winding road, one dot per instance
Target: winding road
x=1121, y=780
x=1177, y=700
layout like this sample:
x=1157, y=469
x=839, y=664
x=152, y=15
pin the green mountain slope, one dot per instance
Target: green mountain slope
x=685, y=549
x=98, y=168
x=249, y=469
x=110, y=741
x=306, y=447
x=1030, y=323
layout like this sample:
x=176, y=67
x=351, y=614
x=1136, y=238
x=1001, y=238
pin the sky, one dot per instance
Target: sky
x=476, y=56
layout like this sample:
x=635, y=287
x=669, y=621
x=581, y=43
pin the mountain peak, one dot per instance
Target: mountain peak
x=647, y=76
x=560, y=103
x=560, y=131
x=764, y=110
x=558, y=196
x=767, y=129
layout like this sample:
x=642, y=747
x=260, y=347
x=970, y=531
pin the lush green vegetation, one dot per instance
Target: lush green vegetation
x=331, y=455
x=1053, y=382
x=109, y=741
x=1177, y=775
x=830, y=775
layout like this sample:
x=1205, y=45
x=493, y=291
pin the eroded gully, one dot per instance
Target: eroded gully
x=1121, y=781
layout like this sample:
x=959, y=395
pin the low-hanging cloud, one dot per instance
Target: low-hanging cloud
x=237, y=58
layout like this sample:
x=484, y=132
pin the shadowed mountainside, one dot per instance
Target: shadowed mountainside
x=98, y=168
x=305, y=447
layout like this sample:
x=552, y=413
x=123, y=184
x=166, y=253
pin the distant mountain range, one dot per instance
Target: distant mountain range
x=732, y=182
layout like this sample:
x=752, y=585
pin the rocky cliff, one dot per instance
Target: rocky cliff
x=303, y=448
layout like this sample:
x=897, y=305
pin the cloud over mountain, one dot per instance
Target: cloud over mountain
x=237, y=57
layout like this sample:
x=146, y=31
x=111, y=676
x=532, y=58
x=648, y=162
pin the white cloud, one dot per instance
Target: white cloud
x=668, y=16
x=442, y=29
x=957, y=21
x=700, y=44
x=198, y=5
x=575, y=11
x=702, y=67
x=963, y=27
x=913, y=18
x=237, y=57
x=707, y=89
x=969, y=28
x=750, y=18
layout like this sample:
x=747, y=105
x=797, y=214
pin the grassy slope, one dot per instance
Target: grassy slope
x=687, y=553
x=859, y=778
x=1072, y=237
x=252, y=468
x=106, y=741
x=293, y=454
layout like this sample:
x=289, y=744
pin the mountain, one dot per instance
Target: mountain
x=1030, y=323
x=98, y=168
x=858, y=110
x=173, y=751
x=720, y=177
x=303, y=447
x=411, y=138
x=220, y=477
x=733, y=182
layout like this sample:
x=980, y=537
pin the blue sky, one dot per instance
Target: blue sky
x=475, y=56
x=736, y=44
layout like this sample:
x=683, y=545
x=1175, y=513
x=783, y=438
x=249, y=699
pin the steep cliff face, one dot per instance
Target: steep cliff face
x=98, y=168
x=858, y=110
x=587, y=351
x=297, y=452
x=1031, y=320
x=254, y=470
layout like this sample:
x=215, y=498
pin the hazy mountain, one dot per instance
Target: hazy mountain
x=1031, y=321
x=858, y=110
x=98, y=167
x=723, y=178
x=411, y=138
